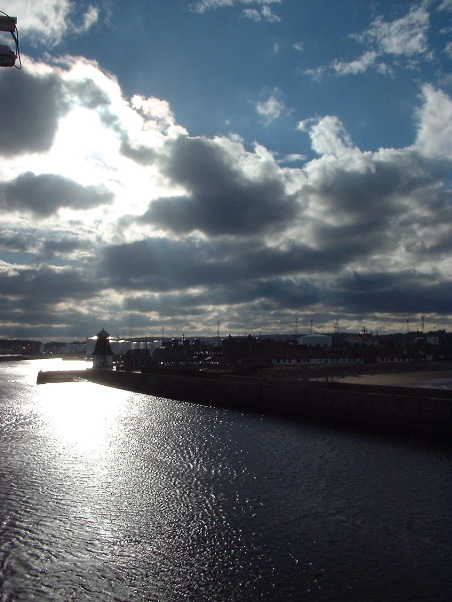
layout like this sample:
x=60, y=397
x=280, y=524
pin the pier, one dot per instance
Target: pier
x=419, y=411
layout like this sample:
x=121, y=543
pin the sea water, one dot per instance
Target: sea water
x=109, y=495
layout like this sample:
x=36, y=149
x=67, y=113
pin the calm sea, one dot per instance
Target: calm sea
x=115, y=496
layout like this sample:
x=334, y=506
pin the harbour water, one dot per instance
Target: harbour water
x=109, y=495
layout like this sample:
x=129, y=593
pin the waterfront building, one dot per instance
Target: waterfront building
x=103, y=354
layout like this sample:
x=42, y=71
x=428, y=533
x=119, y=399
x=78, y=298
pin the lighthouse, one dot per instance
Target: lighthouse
x=103, y=354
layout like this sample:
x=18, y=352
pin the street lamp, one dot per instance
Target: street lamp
x=7, y=56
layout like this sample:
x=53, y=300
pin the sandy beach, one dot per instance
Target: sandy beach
x=438, y=379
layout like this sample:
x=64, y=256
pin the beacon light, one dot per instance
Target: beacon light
x=8, y=23
x=7, y=56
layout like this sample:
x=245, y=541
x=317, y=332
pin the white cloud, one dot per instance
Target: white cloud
x=405, y=36
x=47, y=22
x=271, y=108
x=446, y=5
x=328, y=136
x=88, y=133
x=128, y=202
x=253, y=14
x=360, y=65
x=434, y=137
x=293, y=158
x=265, y=13
x=448, y=49
x=317, y=73
x=268, y=15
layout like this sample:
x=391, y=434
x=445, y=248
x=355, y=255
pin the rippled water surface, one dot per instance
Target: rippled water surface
x=110, y=495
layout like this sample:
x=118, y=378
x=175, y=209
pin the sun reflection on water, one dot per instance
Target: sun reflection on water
x=82, y=415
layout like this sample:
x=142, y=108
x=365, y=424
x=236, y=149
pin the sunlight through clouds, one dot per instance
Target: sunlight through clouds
x=188, y=163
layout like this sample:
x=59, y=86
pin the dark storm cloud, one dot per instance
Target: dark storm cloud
x=63, y=247
x=45, y=284
x=377, y=189
x=44, y=194
x=140, y=154
x=340, y=244
x=44, y=246
x=88, y=93
x=20, y=318
x=18, y=241
x=30, y=106
x=162, y=264
x=91, y=95
x=222, y=198
x=403, y=292
x=275, y=294
x=375, y=204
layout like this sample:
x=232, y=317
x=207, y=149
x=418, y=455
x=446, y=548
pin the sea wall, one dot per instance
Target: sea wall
x=403, y=409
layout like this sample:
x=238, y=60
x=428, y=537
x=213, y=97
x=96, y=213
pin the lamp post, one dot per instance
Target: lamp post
x=8, y=57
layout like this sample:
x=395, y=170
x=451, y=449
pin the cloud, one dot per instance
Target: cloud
x=360, y=65
x=12, y=240
x=265, y=14
x=42, y=195
x=49, y=21
x=164, y=265
x=268, y=15
x=328, y=135
x=31, y=104
x=404, y=38
x=253, y=14
x=228, y=191
x=134, y=214
x=37, y=246
x=44, y=284
x=64, y=245
x=367, y=207
x=47, y=299
x=158, y=264
x=262, y=13
x=271, y=108
x=434, y=137
x=246, y=297
x=245, y=235
x=404, y=292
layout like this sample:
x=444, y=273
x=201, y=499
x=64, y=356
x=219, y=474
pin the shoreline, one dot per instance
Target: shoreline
x=436, y=374
x=441, y=379
x=414, y=401
x=423, y=411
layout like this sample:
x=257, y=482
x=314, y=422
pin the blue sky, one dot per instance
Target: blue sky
x=180, y=163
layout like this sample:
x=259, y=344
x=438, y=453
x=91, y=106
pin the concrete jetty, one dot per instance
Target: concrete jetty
x=399, y=409
x=419, y=411
x=60, y=376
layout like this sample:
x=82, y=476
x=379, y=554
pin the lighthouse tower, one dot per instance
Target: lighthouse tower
x=102, y=354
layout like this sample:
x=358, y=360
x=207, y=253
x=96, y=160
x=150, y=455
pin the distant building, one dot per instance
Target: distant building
x=136, y=359
x=322, y=340
x=103, y=354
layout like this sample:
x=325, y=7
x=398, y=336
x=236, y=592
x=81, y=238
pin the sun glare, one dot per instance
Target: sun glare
x=80, y=415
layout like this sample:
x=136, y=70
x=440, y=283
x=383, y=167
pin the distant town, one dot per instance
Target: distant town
x=249, y=353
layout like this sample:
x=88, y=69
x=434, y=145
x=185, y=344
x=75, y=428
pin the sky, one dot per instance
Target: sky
x=184, y=167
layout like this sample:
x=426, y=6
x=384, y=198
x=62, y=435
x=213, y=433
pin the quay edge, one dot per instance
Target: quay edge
x=400, y=409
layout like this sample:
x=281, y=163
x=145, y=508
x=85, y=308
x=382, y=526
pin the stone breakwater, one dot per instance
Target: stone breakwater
x=399, y=409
